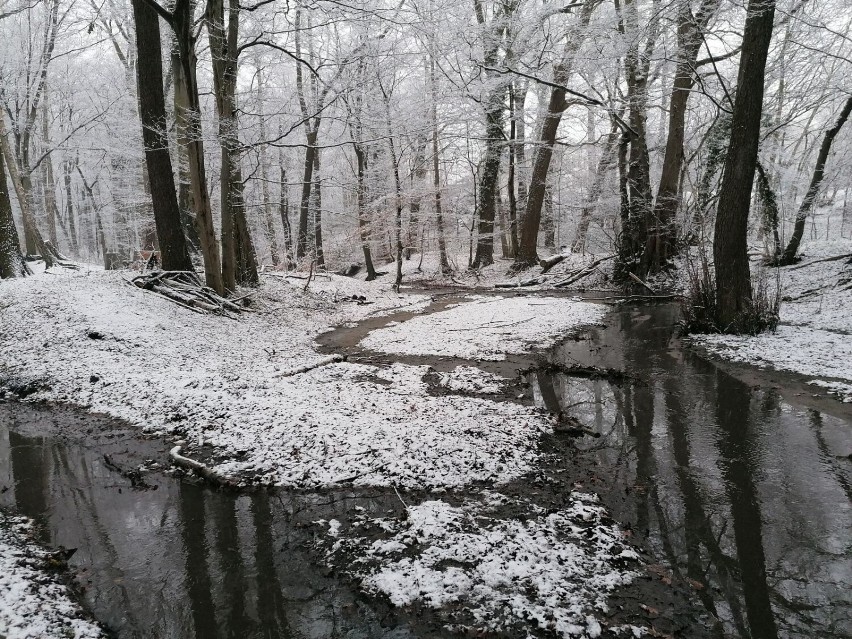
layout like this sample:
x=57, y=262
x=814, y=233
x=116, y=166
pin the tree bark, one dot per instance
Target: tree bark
x=730, y=252
x=182, y=23
x=527, y=249
x=11, y=260
x=662, y=237
x=149, y=68
x=239, y=263
x=789, y=255
x=436, y=172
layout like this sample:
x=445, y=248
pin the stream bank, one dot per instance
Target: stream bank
x=737, y=494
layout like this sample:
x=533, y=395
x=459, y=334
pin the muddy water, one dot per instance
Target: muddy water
x=741, y=485
x=180, y=560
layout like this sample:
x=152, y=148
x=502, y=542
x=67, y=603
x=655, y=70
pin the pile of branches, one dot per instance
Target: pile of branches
x=186, y=289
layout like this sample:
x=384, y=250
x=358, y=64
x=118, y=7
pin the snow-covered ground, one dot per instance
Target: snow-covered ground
x=487, y=327
x=33, y=603
x=551, y=570
x=814, y=337
x=90, y=339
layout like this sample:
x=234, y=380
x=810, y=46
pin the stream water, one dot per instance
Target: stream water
x=741, y=489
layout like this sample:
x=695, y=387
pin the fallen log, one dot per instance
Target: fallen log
x=197, y=467
x=298, y=370
x=549, y=262
x=576, y=276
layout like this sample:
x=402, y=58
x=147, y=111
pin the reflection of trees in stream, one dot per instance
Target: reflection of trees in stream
x=184, y=561
x=737, y=490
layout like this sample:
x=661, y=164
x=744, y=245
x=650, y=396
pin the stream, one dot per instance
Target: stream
x=737, y=482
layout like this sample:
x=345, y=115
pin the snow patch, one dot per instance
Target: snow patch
x=33, y=604
x=553, y=570
x=487, y=328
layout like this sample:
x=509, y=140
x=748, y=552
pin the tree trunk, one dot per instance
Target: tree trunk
x=23, y=195
x=436, y=173
x=11, y=260
x=173, y=250
x=363, y=220
x=730, y=252
x=284, y=209
x=605, y=163
x=527, y=252
x=789, y=255
x=488, y=180
x=183, y=25
x=317, y=197
x=662, y=237
x=186, y=199
x=239, y=264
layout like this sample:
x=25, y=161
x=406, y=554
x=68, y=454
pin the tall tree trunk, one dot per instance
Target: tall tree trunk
x=24, y=201
x=317, y=198
x=271, y=236
x=789, y=255
x=730, y=251
x=527, y=250
x=152, y=103
x=488, y=179
x=11, y=260
x=636, y=65
x=436, y=173
x=49, y=183
x=605, y=164
x=186, y=199
x=284, y=210
x=183, y=24
x=662, y=237
x=363, y=220
x=239, y=264
x=70, y=213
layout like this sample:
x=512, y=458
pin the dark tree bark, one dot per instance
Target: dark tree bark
x=436, y=172
x=239, y=263
x=152, y=107
x=11, y=260
x=662, y=237
x=789, y=255
x=730, y=253
x=363, y=221
x=527, y=254
x=317, y=197
x=284, y=209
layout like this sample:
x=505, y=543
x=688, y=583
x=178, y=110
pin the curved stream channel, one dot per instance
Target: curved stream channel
x=737, y=483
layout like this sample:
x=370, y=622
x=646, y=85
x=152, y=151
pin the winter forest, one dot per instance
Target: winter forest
x=418, y=318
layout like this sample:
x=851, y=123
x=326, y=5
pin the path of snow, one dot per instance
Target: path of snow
x=33, y=604
x=552, y=570
x=487, y=328
x=90, y=339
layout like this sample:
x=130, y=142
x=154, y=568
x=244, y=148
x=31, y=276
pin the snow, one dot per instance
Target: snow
x=487, y=328
x=814, y=337
x=90, y=339
x=33, y=604
x=553, y=570
x=469, y=379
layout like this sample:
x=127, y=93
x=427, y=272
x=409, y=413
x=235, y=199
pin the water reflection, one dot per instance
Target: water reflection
x=182, y=560
x=742, y=493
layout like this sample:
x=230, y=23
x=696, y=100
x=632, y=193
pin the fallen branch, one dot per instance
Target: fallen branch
x=549, y=262
x=576, y=276
x=824, y=259
x=197, y=467
x=185, y=289
x=298, y=370
x=642, y=283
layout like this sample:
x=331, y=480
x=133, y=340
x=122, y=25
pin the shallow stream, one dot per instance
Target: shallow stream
x=739, y=486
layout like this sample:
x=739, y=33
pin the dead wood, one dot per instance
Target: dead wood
x=549, y=262
x=186, y=289
x=578, y=275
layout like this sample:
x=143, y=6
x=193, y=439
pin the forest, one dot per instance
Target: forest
x=418, y=318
